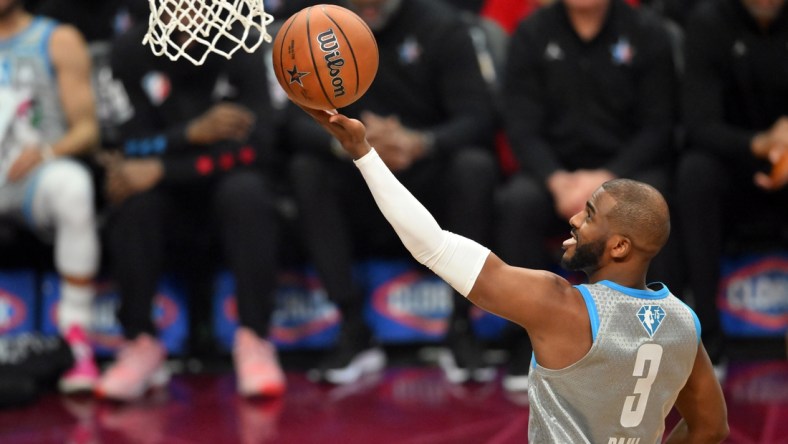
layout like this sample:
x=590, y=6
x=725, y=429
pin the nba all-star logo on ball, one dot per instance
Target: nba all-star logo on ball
x=296, y=75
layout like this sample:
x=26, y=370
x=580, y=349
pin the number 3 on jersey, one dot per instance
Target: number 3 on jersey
x=631, y=416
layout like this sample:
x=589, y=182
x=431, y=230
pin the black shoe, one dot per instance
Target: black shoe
x=351, y=359
x=463, y=360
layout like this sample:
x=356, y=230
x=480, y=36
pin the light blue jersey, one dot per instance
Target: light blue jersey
x=30, y=108
x=644, y=348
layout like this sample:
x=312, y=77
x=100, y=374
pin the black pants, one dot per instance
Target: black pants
x=182, y=224
x=341, y=222
x=715, y=198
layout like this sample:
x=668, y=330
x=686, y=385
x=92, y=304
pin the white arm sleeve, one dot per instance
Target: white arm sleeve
x=456, y=259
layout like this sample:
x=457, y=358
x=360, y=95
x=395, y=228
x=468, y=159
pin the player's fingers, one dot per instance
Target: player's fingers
x=339, y=119
x=764, y=181
x=315, y=113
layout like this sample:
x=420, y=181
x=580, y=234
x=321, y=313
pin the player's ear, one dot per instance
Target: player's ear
x=620, y=246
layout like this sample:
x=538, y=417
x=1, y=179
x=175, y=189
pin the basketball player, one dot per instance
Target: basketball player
x=47, y=115
x=612, y=357
x=618, y=121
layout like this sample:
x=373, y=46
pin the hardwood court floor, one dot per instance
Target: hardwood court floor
x=403, y=405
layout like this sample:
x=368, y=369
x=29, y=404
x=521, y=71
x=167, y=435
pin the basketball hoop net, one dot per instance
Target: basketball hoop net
x=199, y=25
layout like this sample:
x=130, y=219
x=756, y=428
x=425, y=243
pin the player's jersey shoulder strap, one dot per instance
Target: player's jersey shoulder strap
x=593, y=314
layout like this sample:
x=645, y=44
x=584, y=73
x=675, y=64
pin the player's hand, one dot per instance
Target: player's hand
x=584, y=184
x=223, y=121
x=397, y=145
x=126, y=177
x=560, y=185
x=779, y=131
x=27, y=160
x=778, y=177
x=589, y=180
x=567, y=193
x=767, y=141
x=571, y=202
x=350, y=133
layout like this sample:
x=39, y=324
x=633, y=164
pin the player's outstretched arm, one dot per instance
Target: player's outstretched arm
x=704, y=415
x=468, y=267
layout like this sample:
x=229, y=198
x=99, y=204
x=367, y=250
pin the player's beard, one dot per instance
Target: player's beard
x=586, y=257
x=9, y=8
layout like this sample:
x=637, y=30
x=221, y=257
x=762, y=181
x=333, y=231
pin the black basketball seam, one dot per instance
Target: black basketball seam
x=312, y=55
x=350, y=47
x=281, y=56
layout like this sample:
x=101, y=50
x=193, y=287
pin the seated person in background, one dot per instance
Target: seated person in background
x=735, y=111
x=47, y=115
x=509, y=13
x=197, y=168
x=431, y=115
x=589, y=91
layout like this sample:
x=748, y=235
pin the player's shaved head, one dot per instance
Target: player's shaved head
x=640, y=213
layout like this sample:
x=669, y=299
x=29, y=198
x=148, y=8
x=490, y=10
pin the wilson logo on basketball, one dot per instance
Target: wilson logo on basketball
x=334, y=61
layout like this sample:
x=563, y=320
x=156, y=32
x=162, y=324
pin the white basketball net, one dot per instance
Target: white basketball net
x=175, y=25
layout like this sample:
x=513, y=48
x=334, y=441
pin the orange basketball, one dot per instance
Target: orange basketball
x=325, y=57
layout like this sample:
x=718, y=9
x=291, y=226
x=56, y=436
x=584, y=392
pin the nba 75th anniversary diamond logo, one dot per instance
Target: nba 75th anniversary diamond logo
x=651, y=317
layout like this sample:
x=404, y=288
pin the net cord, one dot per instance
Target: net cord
x=175, y=25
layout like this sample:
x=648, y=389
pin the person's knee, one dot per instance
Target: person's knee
x=69, y=188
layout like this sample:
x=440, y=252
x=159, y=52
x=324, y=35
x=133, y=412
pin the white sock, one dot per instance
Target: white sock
x=75, y=307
